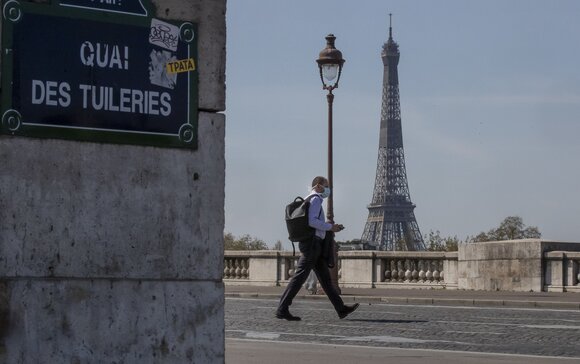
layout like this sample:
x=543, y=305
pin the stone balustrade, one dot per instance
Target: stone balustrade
x=407, y=269
x=514, y=265
x=562, y=273
x=237, y=266
x=356, y=269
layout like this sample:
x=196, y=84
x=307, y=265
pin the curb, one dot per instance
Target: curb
x=425, y=301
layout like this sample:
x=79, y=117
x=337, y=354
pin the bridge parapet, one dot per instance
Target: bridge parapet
x=357, y=269
x=514, y=265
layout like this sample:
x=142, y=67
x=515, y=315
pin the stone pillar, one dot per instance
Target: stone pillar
x=554, y=277
x=450, y=270
x=572, y=260
x=357, y=269
x=264, y=268
x=114, y=253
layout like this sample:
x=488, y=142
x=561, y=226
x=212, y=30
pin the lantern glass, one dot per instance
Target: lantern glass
x=329, y=71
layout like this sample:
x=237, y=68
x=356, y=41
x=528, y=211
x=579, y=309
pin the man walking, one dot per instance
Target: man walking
x=311, y=257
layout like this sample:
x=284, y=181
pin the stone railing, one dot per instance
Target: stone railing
x=561, y=271
x=370, y=269
x=514, y=265
x=356, y=269
x=258, y=268
x=237, y=266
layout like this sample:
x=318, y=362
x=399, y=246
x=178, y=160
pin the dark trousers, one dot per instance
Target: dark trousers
x=311, y=258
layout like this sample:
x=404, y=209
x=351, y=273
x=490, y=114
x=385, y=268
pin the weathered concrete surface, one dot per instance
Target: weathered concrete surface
x=74, y=209
x=357, y=269
x=514, y=265
x=267, y=267
x=114, y=253
x=109, y=321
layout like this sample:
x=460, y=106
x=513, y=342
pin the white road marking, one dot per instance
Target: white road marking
x=551, y=327
x=357, y=326
x=413, y=349
x=524, y=318
x=245, y=332
x=498, y=308
x=387, y=339
x=377, y=338
x=506, y=324
x=477, y=332
x=262, y=335
x=361, y=309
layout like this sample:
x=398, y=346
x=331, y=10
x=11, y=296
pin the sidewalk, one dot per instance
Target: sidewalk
x=250, y=352
x=552, y=300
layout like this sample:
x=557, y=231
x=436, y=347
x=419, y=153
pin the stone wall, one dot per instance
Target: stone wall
x=515, y=265
x=114, y=253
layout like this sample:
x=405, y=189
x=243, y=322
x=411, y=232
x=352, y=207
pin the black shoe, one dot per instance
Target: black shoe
x=347, y=310
x=286, y=315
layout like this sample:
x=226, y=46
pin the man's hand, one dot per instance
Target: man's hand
x=337, y=227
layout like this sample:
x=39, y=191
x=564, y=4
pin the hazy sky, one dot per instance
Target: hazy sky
x=490, y=106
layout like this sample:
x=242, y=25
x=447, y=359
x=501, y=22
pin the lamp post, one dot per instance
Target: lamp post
x=330, y=63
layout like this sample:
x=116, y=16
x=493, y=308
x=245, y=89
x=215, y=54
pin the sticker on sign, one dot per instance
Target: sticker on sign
x=183, y=65
x=164, y=35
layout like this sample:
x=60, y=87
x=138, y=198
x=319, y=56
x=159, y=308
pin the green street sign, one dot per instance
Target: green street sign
x=102, y=71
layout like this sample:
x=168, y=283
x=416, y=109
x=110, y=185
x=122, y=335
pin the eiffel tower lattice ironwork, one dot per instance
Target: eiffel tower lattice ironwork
x=391, y=224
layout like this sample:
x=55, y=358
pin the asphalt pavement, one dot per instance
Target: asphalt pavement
x=404, y=327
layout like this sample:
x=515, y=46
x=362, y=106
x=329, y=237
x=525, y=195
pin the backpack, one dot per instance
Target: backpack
x=297, y=220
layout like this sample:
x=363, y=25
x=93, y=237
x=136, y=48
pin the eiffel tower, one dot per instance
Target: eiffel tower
x=391, y=224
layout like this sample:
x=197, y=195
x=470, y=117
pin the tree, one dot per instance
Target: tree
x=512, y=227
x=245, y=242
x=435, y=242
x=278, y=246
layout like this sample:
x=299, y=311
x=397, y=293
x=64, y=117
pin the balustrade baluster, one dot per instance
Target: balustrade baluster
x=429, y=273
x=226, y=269
x=401, y=273
x=244, y=269
x=386, y=274
x=408, y=274
x=422, y=270
x=290, y=268
x=238, y=271
x=436, y=271
x=394, y=271
x=414, y=272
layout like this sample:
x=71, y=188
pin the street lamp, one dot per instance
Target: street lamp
x=330, y=63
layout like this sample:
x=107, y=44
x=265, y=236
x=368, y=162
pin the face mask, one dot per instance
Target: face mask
x=326, y=192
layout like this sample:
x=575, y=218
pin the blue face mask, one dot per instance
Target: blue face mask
x=326, y=192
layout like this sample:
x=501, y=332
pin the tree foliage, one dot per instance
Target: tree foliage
x=245, y=242
x=435, y=242
x=278, y=246
x=512, y=227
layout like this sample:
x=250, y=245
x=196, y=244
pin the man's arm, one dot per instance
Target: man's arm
x=314, y=219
